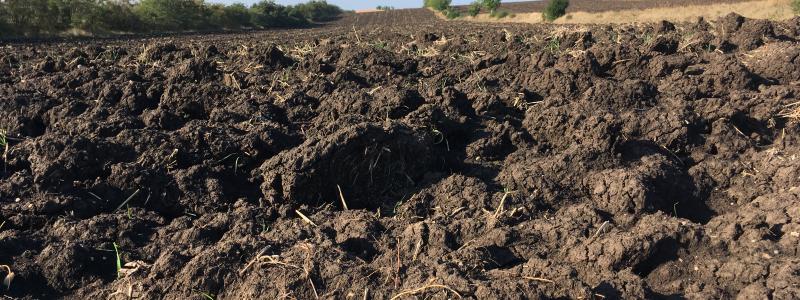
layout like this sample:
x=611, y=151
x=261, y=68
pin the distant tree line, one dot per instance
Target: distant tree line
x=54, y=17
x=493, y=6
x=442, y=6
x=473, y=10
x=439, y=5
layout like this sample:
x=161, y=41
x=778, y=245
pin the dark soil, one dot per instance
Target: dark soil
x=477, y=161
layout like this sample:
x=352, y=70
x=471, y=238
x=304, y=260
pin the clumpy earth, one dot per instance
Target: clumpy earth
x=418, y=160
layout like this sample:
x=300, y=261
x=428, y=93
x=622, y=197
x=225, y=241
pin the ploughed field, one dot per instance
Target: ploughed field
x=476, y=161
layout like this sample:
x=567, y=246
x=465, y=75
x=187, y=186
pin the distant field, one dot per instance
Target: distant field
x=603, y=11
x=625, y=11
x=605, y=5
x=363, y=11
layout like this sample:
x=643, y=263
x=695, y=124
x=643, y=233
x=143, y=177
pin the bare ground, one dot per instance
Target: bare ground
x=489, y=162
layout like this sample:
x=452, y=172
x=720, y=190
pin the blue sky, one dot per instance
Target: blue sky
x=353, y=4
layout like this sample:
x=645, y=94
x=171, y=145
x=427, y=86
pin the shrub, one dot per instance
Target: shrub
x=555, y=9
x=796, y=6
x=474, y=9
x=499, y=14
x=439, y=5
x=451, y=13
x=491, y=5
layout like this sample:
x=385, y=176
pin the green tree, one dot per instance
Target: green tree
x=30, y=17
x=474, y=9
x=171, y=15
x=233, y=16
x=5, y=28
x=318, y=11
x=52, y=17
x=555, y=9
x=59, y=15
x=118, y=15
x=89, y=15
x=491, y=5
x=36, y=17
x=269, y=14
x=439, y=5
